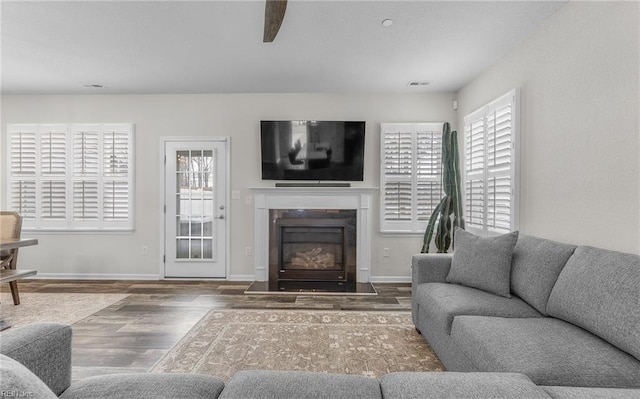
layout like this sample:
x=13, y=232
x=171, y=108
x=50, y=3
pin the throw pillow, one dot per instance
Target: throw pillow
x=483, y=262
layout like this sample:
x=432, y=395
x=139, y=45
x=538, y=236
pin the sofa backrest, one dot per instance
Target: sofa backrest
x=599, y=290
x=535, y=266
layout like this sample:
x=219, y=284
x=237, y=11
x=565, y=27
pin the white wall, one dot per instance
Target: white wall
x=580, y=144
x=580, y=139
x=236, y=116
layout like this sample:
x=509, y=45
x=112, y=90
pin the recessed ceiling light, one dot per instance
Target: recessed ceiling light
x=418, y=83
x=387, y=22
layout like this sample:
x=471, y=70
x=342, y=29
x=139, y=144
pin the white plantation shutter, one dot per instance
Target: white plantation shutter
x=86, y=155
x=499, y=204
x=428, y=168
x=53, y=200
x=117, y=196
x=410, y=175
x=116, y=153
x=70, y=177
x=22, y=166
x=86, y=175
x=86, y=207
x=116, y=200
x=474, y=144
x=53, y=151
x=474, y=204
x=398, y=201
x=398, y=168
x=23, y=152
x=53, y=174
x=474, y=138
x=491, y=166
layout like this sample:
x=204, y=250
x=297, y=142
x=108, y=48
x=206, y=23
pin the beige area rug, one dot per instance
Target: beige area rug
x=60, y=308
x=365, y=343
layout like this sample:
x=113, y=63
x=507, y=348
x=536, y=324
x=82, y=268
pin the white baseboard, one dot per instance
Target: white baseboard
x=233, y=277
x=374, y=279
x=95, y=276
x=241, y=277
x=390, y=279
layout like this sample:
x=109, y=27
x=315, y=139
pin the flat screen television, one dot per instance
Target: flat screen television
x=312, y=150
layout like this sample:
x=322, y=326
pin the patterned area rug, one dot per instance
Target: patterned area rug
x=59, y=308
x=366, y=343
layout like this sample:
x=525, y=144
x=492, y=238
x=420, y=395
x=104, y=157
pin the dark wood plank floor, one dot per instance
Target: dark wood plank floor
x=133, y=334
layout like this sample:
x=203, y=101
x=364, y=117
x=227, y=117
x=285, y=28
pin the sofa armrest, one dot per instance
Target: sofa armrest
x=427, y=268
x=45, y=349
x=430, y=268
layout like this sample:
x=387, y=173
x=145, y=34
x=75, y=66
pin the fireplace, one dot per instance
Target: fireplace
x=312, y=249
x=291, y=199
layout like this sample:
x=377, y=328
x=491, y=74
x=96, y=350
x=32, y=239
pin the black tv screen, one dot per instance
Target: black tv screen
x=312, y=150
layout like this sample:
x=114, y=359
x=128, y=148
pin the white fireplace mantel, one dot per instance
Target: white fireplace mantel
x=358, y=198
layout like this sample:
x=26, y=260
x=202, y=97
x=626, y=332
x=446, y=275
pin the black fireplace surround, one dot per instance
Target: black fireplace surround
x=312, y=250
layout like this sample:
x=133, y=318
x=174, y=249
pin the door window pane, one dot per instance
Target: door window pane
x=194, y=204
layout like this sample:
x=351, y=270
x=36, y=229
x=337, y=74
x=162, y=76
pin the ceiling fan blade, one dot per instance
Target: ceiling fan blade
x=273, y=16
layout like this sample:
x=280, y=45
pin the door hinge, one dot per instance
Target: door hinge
x=165, y=159
x=165, y=209
x=164, y=258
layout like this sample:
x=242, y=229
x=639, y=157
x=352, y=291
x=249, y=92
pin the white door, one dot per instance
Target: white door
x=196, y=209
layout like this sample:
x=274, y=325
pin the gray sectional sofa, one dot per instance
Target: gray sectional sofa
x=565, y=324
x=570, y=315
x=35, y=362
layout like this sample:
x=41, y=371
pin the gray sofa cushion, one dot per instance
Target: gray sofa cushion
x=599, y=290
x=592, y=393
x=146, y=386
x=300, y=385
x=17, y=381
x=459, y=385
x=483, y=262
x=45, y=349
x=441, y=302
x=535, y=268
x=549, y=351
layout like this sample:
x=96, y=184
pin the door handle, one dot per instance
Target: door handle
x=221, y=217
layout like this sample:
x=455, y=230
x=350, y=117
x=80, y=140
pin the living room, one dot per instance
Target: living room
x=577, y=74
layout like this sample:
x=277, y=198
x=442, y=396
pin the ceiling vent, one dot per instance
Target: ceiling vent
x=418, y=83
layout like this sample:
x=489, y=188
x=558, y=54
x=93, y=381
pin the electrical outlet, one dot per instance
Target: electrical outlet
x=145, y=250
x=235, y=194
x=247, y=200
x=385, y=252
x=247, y=251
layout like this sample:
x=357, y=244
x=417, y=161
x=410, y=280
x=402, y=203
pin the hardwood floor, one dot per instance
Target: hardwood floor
x=133, y=334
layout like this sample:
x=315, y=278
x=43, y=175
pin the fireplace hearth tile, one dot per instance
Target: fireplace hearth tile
x=312, y=288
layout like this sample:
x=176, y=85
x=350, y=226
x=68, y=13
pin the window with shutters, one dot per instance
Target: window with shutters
x=71, y=177
x=411, y=171
x=491, y=166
